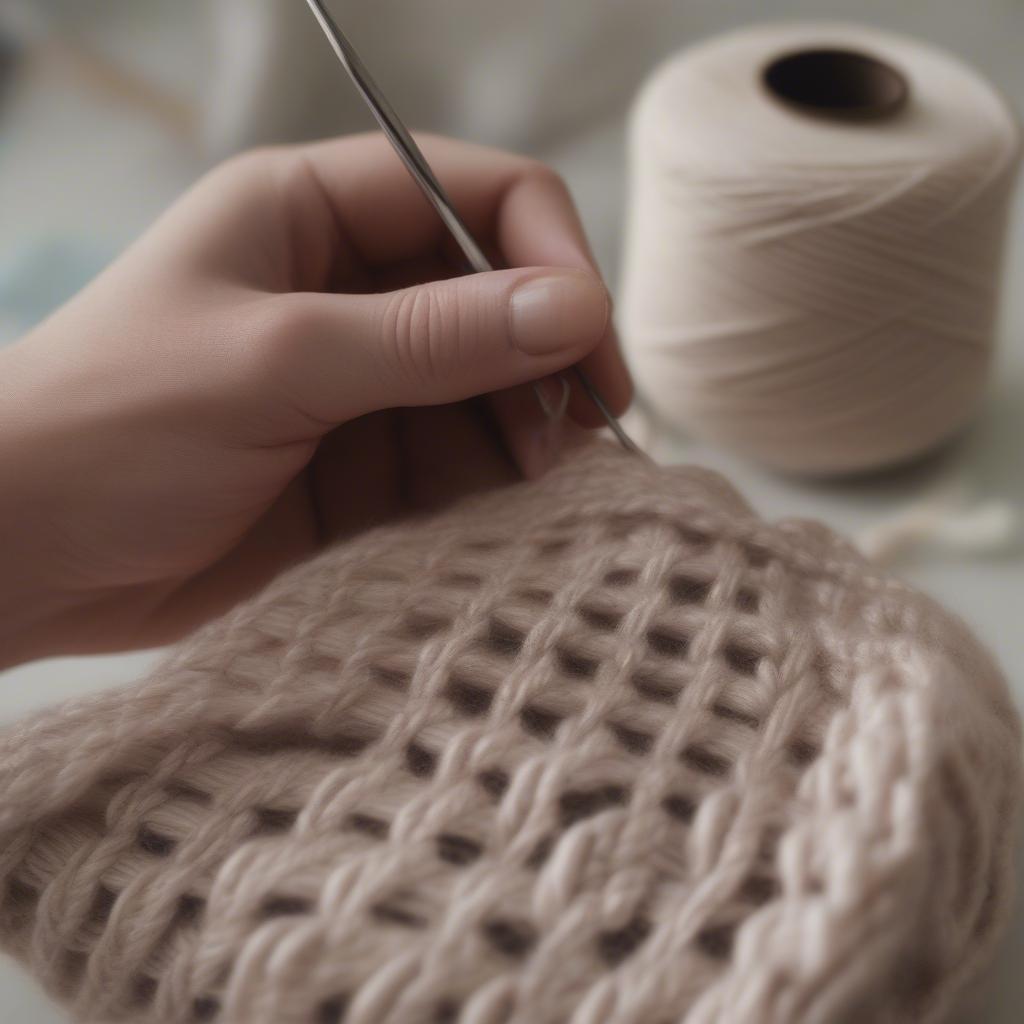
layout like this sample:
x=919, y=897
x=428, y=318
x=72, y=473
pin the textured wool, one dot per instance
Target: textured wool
x=605, y=748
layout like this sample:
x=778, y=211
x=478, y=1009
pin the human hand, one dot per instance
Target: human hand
x=267, y=370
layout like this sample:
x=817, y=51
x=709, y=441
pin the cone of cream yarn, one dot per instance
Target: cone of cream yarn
x=602, y=749
x=814, y=245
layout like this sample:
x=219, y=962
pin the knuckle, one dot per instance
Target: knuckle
x=247, y=165
x=545, y=174
x=282, y=357
x=248, y=161
x=424, y=328
x=287, y=332
x=261, y=167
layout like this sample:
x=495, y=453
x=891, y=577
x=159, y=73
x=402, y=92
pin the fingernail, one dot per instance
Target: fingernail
x=559, y=311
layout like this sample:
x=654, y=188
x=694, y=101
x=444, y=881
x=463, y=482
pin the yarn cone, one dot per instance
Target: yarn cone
x=604, y=748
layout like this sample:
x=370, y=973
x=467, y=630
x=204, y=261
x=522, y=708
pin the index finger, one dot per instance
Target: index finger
x=387, y=219
x=512, y=203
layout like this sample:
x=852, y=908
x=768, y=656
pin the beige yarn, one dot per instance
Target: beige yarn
x=816, y=292
x=605, y=749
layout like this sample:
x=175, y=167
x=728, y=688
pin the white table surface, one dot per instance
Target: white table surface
x=70, y=166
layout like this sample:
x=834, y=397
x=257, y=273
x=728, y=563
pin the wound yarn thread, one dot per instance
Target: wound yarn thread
x=603, y=749
x=815, y=291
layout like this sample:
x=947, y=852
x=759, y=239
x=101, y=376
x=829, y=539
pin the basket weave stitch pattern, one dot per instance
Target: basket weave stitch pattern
x=605, y=748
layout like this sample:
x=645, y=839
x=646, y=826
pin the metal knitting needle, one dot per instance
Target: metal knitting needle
x=413, y=158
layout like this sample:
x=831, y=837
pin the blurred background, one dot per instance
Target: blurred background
x=110, y=108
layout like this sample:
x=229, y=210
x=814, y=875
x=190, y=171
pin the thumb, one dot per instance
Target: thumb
x=443, y=341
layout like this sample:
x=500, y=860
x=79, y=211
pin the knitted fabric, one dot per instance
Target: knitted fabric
x=602, y=749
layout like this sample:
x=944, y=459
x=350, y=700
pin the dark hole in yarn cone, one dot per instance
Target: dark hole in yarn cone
x=836, y=83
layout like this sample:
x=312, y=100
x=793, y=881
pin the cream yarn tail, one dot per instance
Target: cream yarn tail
x=604, y=749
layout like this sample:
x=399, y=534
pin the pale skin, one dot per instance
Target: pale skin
x=285, y=359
